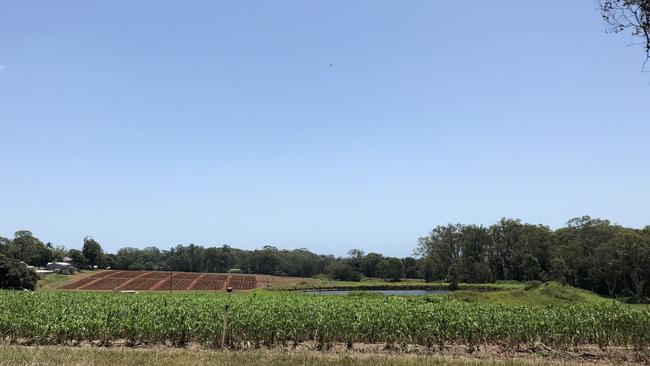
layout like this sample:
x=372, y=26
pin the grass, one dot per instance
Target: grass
x=77, y=356
x=54, y=281
x=550, y=293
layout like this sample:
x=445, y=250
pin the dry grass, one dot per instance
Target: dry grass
x=77, y=356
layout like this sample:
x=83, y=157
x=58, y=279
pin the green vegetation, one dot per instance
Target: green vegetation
x=60, y=318
x=592, y=254
x=588, y=253
x=551, y=293
x=27, y=248
x=15, y=275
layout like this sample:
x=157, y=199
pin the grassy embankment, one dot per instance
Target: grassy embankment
x=550, y=293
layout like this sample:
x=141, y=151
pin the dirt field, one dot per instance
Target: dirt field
x=176, y=281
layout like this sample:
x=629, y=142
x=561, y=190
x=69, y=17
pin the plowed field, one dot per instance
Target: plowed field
x=164, y=281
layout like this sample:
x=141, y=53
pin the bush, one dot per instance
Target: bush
x=390, y=269
x=634, y=299
x=15, y=275
x=69, y=270
x=342, y=272
x=531, y=285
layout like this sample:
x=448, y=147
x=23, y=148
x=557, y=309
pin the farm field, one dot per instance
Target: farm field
x=427, y=323
x=165, y=281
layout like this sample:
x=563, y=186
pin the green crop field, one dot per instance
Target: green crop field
x=64, y=318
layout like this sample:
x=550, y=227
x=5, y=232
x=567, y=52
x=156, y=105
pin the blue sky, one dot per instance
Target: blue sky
x=326, y=125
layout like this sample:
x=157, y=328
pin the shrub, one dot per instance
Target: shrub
x=390, y=269
x=342, y=272
x=15, y=275
x=531, y=285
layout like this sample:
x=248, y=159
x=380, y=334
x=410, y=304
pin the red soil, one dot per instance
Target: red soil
x=163, y=281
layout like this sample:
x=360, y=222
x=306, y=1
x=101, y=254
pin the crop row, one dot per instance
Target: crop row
x=144, y=280
x=290, y=319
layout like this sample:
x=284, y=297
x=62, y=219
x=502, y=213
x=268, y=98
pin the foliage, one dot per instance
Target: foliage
x=15, y=275
x=254, y=321
x=534, y=294
x=78, y=259
x=342, y=272
x=589, y=253
x=27, y=248
x=390, y=269
x=93, y=252
x=428, y=270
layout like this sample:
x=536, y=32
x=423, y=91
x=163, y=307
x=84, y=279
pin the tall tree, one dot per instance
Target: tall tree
x=78, y=259
x=29, y=249
x=390, y=269
x=441, y=247
x=369, y=264
x=410, y=267
x=354, y=258
x=219, y=260
x=92, y=251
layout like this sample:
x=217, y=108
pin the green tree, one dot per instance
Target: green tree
x=390, y=269
x=559, y=269
x=608, y=266
x=410, y=267
x=475, y=242
x=219, y=260
x=78, y=259
x=428, y=270
x=577, y=244
x=342, y=271
x=454, y=275
x=29, y=249
x=369, y=264
x=109, y=261
x=441, y=247
x=4, y=245
x=58, y=252
x=355, y=256
x=93, y=252
x=635, y=253
x=15, y=275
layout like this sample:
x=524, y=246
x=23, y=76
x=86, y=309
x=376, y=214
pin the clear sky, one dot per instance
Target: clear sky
x=327, y=125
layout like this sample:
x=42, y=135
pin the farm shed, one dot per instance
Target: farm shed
x=61, y=267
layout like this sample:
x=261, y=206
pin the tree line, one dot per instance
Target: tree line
x=270, y=260
x=589, y=253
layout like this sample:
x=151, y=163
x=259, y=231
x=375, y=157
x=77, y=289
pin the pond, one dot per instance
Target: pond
x=383, y=292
